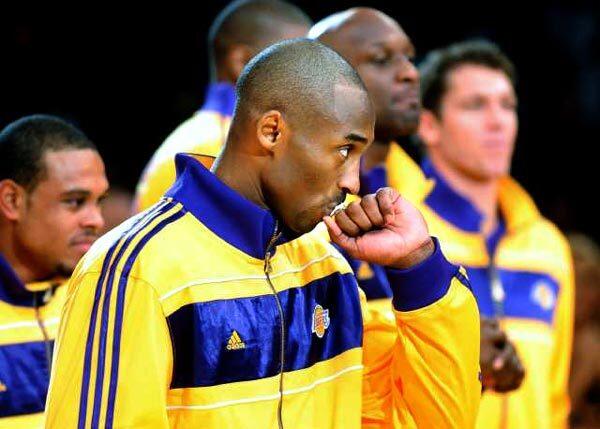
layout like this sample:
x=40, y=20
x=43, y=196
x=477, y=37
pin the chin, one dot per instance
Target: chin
x=406, y=127
x=65, y=269
x=304, y=226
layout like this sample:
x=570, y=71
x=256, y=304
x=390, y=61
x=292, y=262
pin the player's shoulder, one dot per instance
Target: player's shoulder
x=198, y=134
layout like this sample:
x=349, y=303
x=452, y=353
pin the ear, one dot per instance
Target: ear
x=270, y=129
x=429, y=128
x=12, y=199
x=236, y=59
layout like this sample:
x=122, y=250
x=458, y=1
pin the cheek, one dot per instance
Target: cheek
x=54, y=229
x=512, y=127
x=461, y=137
x=465, y=129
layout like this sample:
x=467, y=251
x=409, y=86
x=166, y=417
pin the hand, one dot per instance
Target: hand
x=501, y=367
x=382, y=228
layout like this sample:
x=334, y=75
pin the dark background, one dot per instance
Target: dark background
x=128, y=78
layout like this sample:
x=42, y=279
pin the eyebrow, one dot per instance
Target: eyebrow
x=411, y=48
x=76, y=191
x=353, y=137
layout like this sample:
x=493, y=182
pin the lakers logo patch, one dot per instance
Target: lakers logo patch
x=543, y=295
x=235, y=342
x=320, y=321
x=3, y=387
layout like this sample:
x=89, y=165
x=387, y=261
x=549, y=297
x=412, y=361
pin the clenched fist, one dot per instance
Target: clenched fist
x=382, y=228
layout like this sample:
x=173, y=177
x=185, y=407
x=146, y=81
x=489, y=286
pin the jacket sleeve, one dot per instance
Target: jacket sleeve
x=98, y=378
x=421, y=357
x=563, y=341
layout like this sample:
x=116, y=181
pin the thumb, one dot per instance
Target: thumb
x=338, y=236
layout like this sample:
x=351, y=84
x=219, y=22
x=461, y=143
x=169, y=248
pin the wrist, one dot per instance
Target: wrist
x=415, y=257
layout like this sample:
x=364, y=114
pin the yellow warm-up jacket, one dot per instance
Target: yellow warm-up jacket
x=204, y=312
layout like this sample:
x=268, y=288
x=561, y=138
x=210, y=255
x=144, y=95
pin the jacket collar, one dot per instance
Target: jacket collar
x=228, y=214
x=220, y=98
x=449, y=204
x=15, y=292
x=516, y=207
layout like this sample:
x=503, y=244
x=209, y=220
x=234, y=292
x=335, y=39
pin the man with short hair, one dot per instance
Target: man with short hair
x=51, y=181
x=238, y=33
x=218, y=307
x=518, y=262
x=380, y=50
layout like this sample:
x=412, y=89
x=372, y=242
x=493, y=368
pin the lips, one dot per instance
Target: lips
x=84, y=244
x=409, y=95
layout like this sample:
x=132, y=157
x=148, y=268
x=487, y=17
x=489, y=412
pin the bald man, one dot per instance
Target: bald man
x=217, y=308
x=238, y=33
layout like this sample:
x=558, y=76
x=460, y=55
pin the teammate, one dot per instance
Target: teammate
x=51, y=182
x=238, y=33
x=518, y=262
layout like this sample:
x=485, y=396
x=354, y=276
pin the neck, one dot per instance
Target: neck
x=227, y=169
x=483, y=194
x=10, y=252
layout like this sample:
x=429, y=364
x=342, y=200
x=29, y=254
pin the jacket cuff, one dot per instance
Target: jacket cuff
x=423, y=284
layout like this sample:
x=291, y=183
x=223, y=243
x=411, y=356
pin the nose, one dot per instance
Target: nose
x=497, y=116
x=93, y=219
x=350, y=180
x=406, y=71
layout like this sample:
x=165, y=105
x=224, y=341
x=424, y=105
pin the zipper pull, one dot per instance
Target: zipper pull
x=497, y=290
x=268, y=267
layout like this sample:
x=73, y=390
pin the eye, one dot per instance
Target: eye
x=380, y=59
x=474, y=103
x=509, y=104
x=74, y=203
x=344, y=151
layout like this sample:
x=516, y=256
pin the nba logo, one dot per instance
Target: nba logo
x=320, y=321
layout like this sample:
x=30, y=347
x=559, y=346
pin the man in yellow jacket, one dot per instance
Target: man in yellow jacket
x=217, y=308
x=519, y=262
x=51, y=181
x=238, y=33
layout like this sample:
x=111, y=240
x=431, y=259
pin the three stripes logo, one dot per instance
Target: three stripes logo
x=235, y=342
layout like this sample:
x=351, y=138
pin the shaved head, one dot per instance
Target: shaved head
x=254, y=24
x=303, y=118
x=381, y=52
x=301, y=78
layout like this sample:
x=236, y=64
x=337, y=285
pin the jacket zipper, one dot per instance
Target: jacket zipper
x=40, y=322
x=498, y=296
x=268, y=269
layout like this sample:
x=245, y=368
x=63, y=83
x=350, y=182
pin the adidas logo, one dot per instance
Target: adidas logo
x=235, y=342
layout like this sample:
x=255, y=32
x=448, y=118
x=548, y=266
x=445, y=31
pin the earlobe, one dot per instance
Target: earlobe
x=11, y=199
